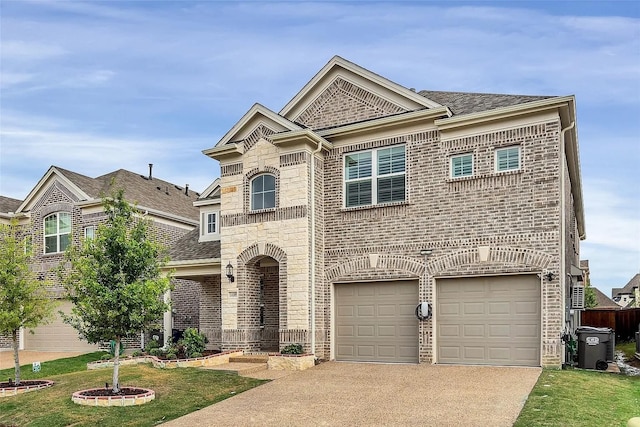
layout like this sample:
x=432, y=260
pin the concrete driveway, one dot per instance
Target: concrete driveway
x=350, y=394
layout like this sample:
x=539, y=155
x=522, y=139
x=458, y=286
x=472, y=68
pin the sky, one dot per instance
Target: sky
x=97, y=86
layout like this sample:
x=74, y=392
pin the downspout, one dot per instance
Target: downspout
x=313, y=247
x=563, y=243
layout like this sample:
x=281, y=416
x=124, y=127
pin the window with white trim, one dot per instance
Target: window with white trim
x=263, y=192
x=508, y=159
x=375, y=176
x=90, y=232
x=57, y=232
x=209, y=225
x=461, y=165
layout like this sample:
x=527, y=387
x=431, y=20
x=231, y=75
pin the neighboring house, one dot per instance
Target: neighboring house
x=603, y=301
x=335, y=217
x=629, y=295
x=65, y=207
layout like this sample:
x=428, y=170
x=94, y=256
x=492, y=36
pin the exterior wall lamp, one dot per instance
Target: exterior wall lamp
x=230, y=272
x=549, y=276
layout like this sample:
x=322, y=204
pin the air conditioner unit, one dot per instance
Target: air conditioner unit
x=577, y=297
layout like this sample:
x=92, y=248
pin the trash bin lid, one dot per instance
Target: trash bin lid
x=593, y=329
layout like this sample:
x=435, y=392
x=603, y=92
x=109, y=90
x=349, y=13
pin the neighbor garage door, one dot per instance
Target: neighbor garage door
x=376, y=322
x=489, y=320
x=57, y=335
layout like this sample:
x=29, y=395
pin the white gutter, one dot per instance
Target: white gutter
x=313, y=246
x=563, y=243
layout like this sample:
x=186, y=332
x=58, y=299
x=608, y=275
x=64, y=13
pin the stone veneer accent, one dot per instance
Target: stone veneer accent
x=134, y=400
x=14, y=391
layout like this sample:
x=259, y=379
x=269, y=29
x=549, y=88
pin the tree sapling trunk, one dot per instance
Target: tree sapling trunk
x=16, y=355
x=116, y=366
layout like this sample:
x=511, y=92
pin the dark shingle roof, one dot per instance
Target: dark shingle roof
x=149, y=193
x=7, y=204
x=603, y=301
x=633, y=283
x=188, y=248
x=466, y=103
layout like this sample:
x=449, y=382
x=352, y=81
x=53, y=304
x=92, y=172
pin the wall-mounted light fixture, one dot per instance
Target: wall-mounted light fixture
x=426, y=252
x=549, y=276
x=230, y=272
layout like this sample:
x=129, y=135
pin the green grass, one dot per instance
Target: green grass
x=581, y=398
x=628, y=348
x=54, y=367
x=178, y=392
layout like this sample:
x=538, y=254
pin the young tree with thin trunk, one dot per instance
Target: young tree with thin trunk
x=23, y=299
x=114, y=279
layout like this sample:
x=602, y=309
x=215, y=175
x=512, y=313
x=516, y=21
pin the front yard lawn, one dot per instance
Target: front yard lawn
x=581, y=398
x=178, y=392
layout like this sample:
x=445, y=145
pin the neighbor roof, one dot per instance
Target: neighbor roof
x=7, y=204
x=188, y=248
x=628, y=288
x=467, y=102
x=603, y=301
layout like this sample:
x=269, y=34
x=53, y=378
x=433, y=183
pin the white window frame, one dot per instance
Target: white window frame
x=205, y=235
x=373, y=177
x=93, y=229
x=57, y=233
x=458, y=156
x=275, y=192
x=503, y=149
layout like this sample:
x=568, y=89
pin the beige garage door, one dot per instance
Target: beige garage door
x=376, y=322
x=57, y=335
x=489, y=320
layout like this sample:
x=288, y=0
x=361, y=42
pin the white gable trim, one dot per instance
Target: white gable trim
x=211, y=189
x=42, y=184
x=254, y=112
x=340, y=67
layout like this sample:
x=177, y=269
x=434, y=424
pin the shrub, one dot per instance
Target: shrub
x=292, y=349
x=193, y=342
x=156, y=352
x=196, y=355
x=151, y=345
x=172, y=356
x=137, y=353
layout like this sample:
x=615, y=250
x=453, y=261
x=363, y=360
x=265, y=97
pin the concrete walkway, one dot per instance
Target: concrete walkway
x=28, y=357
x=349, y=394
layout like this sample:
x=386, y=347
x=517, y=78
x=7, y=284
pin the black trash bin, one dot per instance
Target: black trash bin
x=595, y=347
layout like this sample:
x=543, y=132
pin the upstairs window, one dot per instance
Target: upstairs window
x=462, y=165
x=57, y=232
x=263, y=192
x=212, y=224
x=508, y=159
x=375, y=176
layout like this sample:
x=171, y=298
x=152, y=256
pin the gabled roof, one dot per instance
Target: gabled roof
x=468, y=102
x=155, y=194
x=628, y=288
x=189, y=248
x=7, y=204
x=603, y=301
x=339, y=67
x=212, y=191
x=256, y=116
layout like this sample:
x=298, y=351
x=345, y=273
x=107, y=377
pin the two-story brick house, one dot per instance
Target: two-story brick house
x=65, y=207
x=334, y=218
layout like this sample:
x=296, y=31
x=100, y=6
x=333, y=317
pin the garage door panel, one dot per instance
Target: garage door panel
x=384, y=321
x=499, y=322
x=346, y=331
x=57, y=335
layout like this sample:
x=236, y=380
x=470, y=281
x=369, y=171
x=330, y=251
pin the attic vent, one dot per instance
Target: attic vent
x=577, y=297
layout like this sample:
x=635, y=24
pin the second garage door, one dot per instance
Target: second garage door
x=57, y=335
x=375, y=322
x=489, y=320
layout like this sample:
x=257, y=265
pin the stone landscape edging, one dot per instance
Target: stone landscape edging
x=133, y=400
x=15, y=390
x=277, y=361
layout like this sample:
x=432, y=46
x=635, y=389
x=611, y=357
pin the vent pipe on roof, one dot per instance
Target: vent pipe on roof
x=186, y=189
x=150, y=169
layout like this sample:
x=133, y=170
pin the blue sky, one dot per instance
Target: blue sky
x=98, y=86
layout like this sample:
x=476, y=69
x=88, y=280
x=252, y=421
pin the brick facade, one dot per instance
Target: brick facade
x=56, y=197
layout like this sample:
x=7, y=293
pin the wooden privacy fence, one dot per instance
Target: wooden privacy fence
x=624, y=321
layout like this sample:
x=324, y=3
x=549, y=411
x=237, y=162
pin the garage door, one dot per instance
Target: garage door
x=489, y=320
x=57, y=335
x=376, y=322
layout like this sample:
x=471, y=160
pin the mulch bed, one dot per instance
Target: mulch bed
x=204, y=354
x=23, y=383
x=124, y=391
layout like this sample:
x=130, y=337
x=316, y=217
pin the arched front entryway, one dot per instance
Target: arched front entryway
x=262, y=297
